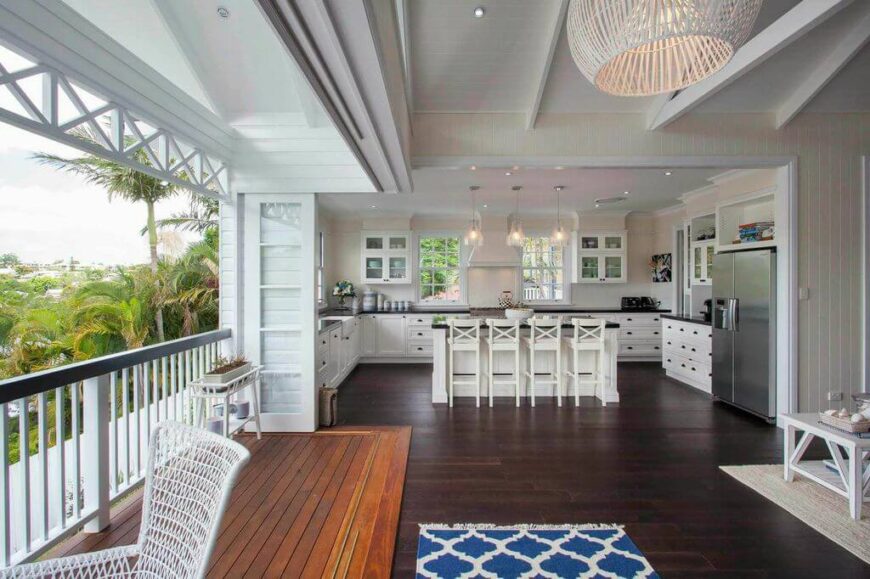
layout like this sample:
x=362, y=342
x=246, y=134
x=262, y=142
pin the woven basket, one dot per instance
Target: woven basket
x=845, y=424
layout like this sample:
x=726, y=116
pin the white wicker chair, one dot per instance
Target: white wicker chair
x=191, y=473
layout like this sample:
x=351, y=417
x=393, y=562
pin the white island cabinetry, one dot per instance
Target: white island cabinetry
x=688, y=348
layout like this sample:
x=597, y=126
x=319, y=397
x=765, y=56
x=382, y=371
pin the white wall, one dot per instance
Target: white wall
x=647, y=235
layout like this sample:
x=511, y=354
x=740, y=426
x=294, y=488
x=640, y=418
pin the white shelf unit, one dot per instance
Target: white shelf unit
x=702, y=248
x=750, y=208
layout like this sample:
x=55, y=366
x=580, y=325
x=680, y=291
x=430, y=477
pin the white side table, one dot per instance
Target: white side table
x=851, y=478
x=204, y=395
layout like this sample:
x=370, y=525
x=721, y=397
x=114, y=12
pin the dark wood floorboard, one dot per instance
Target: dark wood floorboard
x=650, y=463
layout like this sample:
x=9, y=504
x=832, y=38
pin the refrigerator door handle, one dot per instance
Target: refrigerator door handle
x=734, y=313
x=725, y=314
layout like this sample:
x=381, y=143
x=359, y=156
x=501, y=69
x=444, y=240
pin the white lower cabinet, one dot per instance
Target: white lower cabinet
x=688, y=353
x=391, y=335
x=640, y=336
x=369, y=337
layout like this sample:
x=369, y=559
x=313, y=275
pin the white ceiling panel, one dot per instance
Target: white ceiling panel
x=463, y=63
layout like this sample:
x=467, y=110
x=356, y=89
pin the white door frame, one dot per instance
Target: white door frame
x=306, y=420
x=865, y=271
x=787, y=358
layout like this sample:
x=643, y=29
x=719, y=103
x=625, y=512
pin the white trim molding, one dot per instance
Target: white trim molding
x=55, y=35
x=865, y=272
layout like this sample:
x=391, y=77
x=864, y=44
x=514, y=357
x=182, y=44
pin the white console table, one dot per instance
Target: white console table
x=203, y=394
x=851, y=478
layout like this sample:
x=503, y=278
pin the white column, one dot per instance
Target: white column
x=96, y=450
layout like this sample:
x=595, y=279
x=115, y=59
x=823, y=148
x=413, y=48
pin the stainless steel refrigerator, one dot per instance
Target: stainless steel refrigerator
x=744, y=330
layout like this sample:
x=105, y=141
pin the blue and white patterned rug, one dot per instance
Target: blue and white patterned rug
x=526, y=551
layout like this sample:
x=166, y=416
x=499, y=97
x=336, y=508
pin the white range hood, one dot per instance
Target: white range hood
x=494, y=253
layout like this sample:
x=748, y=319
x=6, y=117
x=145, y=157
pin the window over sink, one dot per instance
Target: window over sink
x=543, y=271
x=439, y=275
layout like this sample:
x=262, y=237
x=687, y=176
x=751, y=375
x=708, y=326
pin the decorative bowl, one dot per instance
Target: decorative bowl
x=519, y=313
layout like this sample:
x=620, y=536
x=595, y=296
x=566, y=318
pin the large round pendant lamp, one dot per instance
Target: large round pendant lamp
x=647, y=47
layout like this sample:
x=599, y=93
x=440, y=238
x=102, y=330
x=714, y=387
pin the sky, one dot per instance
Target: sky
x=46, y=214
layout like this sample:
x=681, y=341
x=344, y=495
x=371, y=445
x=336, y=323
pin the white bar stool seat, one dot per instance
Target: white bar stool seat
x=463, y=336
x=545, y=336
x=504, y=336
x=588, y=337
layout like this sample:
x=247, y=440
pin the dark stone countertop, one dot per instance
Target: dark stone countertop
x=547, y=309
x=688, y=318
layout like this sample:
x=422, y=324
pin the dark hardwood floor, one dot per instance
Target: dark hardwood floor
x=650, y=463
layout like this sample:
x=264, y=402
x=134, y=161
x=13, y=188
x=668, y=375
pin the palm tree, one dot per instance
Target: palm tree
x=111, y=315
x=201, y=216
x=125, y=183
x=194, y=284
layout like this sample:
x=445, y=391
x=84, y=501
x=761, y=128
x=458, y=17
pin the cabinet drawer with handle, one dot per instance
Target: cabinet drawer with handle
x=419, y=333
x=653, y=333
x=418, y=349
x=640, y=349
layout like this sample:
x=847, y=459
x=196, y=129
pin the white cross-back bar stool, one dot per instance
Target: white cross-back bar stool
x=545, y=336
x=464, y=336
x=504, y=336
x=588, y=337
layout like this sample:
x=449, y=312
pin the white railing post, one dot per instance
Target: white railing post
x=96, y=451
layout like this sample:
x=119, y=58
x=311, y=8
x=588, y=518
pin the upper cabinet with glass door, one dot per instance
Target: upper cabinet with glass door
x=601, y=257
x=703, y=248
x=386, y=257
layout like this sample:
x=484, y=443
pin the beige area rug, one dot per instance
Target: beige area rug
x=821, y=509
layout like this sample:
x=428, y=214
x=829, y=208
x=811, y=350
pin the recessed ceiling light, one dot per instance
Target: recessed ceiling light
x=668, y=173
x=479, y=12
x=559, y=168
x=485, y=205
x=625, y=192
x=507, y=173
x=516, y=167
x=373, y=206
x=597, y=205
x=473, y=167
x=223, y=12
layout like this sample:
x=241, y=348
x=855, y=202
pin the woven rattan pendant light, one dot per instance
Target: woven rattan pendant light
x=647, y=47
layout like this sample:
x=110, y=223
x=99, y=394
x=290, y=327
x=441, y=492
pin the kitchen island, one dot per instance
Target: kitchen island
x=503, y=365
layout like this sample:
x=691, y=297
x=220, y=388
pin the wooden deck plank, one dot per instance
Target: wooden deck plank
x=299, y=508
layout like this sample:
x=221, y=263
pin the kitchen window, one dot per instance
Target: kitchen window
x=439, y=275
x=543, y=271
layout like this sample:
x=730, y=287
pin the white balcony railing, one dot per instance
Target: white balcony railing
x=102, y=411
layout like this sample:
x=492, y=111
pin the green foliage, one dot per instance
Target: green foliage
x=8, y=260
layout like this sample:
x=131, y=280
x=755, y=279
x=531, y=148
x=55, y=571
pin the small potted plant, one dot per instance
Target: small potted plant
x=226, y=370
x=343, y=290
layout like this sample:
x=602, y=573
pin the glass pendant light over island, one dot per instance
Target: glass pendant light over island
x=559, y=236
x=516, y=236
x=474, y=236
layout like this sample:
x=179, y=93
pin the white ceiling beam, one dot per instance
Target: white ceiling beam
x=544, y=74
x=311, y=109
x=188, y=53
x=656, y=107
x=788, y=28
x=402, y=15
x=850, y=45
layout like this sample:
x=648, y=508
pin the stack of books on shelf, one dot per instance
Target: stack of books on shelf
x=756, y=231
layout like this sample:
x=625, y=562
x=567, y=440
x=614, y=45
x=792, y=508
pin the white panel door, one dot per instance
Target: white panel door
x=391, y=336
x=279, y=305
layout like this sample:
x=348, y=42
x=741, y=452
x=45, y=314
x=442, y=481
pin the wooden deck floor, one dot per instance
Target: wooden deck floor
x=318, y=505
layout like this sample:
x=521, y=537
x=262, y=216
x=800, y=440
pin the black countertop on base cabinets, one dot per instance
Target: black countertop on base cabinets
x=548, y=309
x=688, y=318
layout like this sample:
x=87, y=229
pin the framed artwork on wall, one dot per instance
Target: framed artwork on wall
x=661, y=268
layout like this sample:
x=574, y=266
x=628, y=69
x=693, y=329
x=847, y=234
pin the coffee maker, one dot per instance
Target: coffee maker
x=707, y=312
